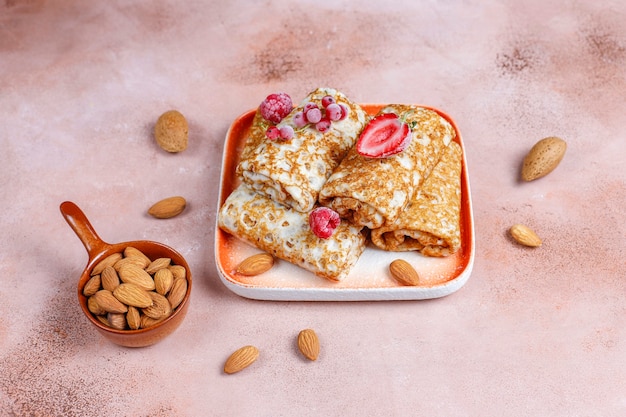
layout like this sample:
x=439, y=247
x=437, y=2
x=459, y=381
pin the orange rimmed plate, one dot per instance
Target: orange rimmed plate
x=369, y=278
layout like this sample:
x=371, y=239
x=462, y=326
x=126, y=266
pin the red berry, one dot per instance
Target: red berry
x=323, y=222
x=299, y=120
x=327, y=100
x=313, y=115
x=334, y=112
x=272, y=133
x=323, y=125
x=384, y=135
x=308, y=106
x=344, y=111
x=275, y=107
x=286, y=132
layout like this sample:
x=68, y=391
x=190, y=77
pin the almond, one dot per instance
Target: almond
x=103, y=319
x=108, y=261
x=403, y=272
x=132, y=295
x=157, y=264
x=178, y=271
x=91, y=286
x=132, y=251
x=139, y=261
x=163, y=281
x=309, y=344
x=171, y=131
x=117, y=320
x=255, y=264
x=133, y=318
x=525, y=236
x=240, y=359
x=168, y=207
x=146, y=321
x=107, y=301
x=178, y=292
x=133, y=274
x=109, y=278
x=94, y=307
x=543, y=158
x=160, y=307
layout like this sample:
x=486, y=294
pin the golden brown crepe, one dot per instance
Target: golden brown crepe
x=371, y=192
x=256, y=135
x=292, y=172
x=285, y=233
x=431, y=222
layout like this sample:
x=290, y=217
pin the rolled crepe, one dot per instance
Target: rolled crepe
x=292, y=172
x=256, y=135
x=431, y=222
x=369, y=191
x=285, y=233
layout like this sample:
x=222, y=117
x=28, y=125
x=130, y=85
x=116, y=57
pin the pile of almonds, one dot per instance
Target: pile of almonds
x=129, y=291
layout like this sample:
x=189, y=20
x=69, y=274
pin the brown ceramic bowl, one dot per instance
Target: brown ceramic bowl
x=97, y=250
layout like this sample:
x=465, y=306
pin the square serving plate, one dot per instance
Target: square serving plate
x=369, y=279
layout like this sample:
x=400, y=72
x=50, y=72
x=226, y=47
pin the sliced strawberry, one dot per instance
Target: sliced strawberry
x=384, y=135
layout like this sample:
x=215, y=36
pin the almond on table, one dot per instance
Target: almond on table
x=524, y=235
x=543, y=158
x=309, y=344
x=171, y=131
x=241, y=359
x=168, y=207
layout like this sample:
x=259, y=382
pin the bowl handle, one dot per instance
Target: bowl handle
x=83, y=229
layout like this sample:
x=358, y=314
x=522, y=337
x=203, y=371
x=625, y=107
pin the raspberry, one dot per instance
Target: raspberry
x=323, y=222
x=275, y=107
x=272, y=133
x=323, y=125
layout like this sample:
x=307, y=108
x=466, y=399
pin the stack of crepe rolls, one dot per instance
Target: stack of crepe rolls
x=371, y=192
x=409, y=201
x=285, y=233
x=293, y=172
x=431, y=222
x=280, y=183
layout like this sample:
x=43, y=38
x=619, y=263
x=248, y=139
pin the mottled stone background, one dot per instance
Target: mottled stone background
x=533, y=332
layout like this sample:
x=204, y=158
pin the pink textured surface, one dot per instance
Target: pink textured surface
x=533, y=332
